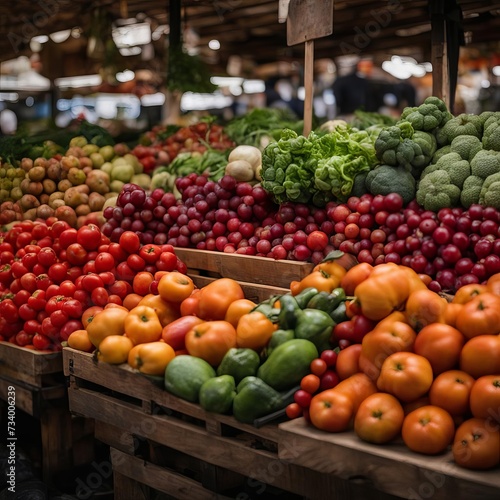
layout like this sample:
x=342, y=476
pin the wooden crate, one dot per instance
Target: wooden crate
x=156, y=437
x=390, y=468
x=260, y=277
x=41, y=392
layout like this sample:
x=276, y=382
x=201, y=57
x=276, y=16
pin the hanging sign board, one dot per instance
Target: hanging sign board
x=308, y=20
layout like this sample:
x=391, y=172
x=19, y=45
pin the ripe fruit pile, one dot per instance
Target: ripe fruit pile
x=414, y=366
x=50, y=274
x=453, y=247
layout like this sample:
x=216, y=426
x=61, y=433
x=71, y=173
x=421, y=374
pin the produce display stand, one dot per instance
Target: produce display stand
x=40, y=392
x=391, y=468
x=160, y=443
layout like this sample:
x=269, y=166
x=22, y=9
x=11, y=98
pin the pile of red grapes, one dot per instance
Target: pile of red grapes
x=454, y=246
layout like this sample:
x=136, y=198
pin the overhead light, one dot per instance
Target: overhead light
x=28, y=80
x=191, y=101
x=40, y=38
x=226, y=81
x=125, y=76
x=131, y=35
x=254, y=86
x=78, y=81
x=214, y=44
x=496, y=70
x=76, y=32
x=161, y=30
x=403, y=67
x=157, y=99
x=130, y=51
x=9, y=96
x=60, y=36
x=485, y=84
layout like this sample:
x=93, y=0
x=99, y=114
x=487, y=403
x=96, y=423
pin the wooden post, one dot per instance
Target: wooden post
x=439, y=60
x=308, y=85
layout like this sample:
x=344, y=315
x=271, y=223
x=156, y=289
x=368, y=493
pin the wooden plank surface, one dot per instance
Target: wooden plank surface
x=28, y=365
x=258, y=270
x=230, y=453
x=391, y=468
x=158, y=478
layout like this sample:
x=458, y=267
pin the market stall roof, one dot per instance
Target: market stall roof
x=250, y=28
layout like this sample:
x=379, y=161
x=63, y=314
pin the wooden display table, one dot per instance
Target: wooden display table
x=391, y=468
x=159, y=442
x=37, y=381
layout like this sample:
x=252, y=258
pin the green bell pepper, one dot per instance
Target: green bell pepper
x=239, y=363
x=327, y=302
x=305, y=296
x=315, y=325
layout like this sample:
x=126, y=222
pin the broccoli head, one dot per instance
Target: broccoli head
x=436, y=191
x=441, y=152
x=466, y=146
x=385, y=179
x=452, y=163
x=485, y=163
x=493, y=118
x=471, y=190
x=491, y=136
x=463, y=124
x=490, y=192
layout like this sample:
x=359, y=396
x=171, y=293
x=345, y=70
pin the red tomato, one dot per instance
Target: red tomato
x=485, y=398
x=331, y=411
x=89, y=236
x=130, y=242
x=104, y=262
x=76, y=254
x=150, y=253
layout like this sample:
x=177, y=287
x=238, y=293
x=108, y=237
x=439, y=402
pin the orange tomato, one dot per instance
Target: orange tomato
x=114, y=349
x=481, y=356
x=441, y=344
x=395, y=285
x=142, y=325
x=467, y=292
x=320, y=280
x=79, y=339
x=379, y=418
x=451, y=391
x=355, y=276
x=485, y=398
x=405, y=375
x=310, y=383
x=428, y=430
x=174, y=333
x=88, y=314
x=493, y=284
x=132, y=300
x=380, y=343
x=331, y=267
x=480, y=316
x=331, y=411
x=254, y=330
x=451, y=313
x=141, y=282
x=211, y=340
x=237, y=309
x=389, y=320
x=216, y=297
x=189, y=306
x=166, y=311
x=151, y=358
x=348, y=361
x=107, y=322
x=175, y=287
x=477, y=445
x=424, y=307
x=357, y=387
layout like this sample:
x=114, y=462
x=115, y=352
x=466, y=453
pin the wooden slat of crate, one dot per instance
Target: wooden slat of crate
x=159, y=478
x=27, y=365
x=390, y=468
x=246, y=268
x=230, y=453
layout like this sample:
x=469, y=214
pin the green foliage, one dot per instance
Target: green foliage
x=187, y=73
